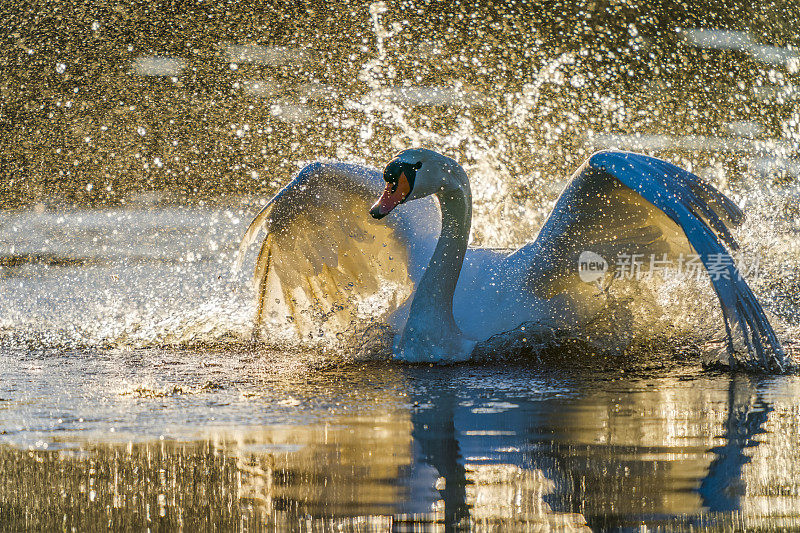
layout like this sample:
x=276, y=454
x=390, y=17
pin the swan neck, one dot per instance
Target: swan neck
x=436, y=288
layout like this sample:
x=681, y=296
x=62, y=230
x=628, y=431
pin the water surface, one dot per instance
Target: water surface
x=133, y=395
x=219, y=438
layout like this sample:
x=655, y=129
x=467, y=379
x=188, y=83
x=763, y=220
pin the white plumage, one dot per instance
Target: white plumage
x=326, y=263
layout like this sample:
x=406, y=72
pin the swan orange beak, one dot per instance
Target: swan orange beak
x=393, y=195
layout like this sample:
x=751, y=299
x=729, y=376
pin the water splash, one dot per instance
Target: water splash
x=517, y=138
x=121, y=278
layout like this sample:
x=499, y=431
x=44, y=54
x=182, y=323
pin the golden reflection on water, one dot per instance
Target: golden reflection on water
x=507, y=496
x=232, y=479
x=460, y=446
x=339, y=469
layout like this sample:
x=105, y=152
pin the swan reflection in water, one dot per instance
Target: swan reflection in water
x=507, y=446
x=657, y=451
x=325, y=264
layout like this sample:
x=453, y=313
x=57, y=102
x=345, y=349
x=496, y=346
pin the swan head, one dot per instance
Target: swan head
x=413, y=174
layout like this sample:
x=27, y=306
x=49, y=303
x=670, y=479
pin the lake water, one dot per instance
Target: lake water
x=137, y=145
x=133, y=396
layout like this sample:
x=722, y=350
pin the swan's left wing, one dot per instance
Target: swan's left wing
x=619, y=204
x=325, y=262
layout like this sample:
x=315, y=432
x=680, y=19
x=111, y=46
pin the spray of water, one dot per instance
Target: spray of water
x=151, y=277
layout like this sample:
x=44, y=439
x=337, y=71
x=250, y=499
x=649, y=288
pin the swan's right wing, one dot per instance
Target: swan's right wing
x=325, y=262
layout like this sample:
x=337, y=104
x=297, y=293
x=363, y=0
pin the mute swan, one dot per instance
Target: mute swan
x=325, y=261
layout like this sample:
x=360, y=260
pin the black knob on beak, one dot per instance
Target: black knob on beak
x=376, y=212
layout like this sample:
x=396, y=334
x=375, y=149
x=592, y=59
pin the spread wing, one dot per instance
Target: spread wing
x=324, y=262
x=618, y=204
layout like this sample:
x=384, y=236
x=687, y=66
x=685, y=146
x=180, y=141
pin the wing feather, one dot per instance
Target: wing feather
x=623, y=203
x=324, y=259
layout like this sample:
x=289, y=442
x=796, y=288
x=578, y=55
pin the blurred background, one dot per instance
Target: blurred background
x=108, y=103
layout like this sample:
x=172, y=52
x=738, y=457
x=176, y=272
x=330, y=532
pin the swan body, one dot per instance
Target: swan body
x=325, y=261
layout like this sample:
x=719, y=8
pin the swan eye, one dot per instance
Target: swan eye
x=397, y=168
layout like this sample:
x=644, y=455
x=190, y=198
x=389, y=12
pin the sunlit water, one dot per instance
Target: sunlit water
x=134, y=395
x=134, y=392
